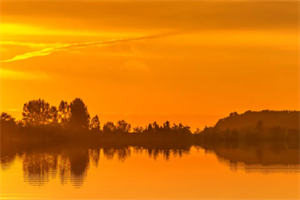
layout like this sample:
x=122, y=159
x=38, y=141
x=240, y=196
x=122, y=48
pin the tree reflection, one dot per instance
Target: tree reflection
x=40, y=165
x=37, y=167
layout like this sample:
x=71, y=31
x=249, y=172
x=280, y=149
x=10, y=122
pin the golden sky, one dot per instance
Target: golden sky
x=190, y=61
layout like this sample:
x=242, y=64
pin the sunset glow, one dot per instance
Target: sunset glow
x=191, y=61
x=150, y=99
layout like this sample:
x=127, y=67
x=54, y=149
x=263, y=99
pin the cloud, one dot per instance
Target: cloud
x=43, y=52
x=20, y=75
x=29, y=44
x=64, y=47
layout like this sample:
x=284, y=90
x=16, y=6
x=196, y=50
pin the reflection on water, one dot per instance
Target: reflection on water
x=72, y=164
x=267, y=157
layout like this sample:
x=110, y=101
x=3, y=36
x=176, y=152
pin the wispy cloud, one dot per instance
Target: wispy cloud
x=20, y=75
x=29, y=44
x=63, y=47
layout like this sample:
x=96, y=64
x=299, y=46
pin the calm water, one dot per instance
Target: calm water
x=131, y=173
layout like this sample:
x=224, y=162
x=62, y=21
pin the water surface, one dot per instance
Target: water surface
x=137, y=173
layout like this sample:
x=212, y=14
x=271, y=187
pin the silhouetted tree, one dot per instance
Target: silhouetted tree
x=150, y=128
x=38, y=112
x=80, y=117
x=95, y=124
x=155, y=126
x=138, y=129
x=187, y=129
x=53, y=115
x=6, y=117
x=180, y=128
x=166, y=125
x=233, y=114
x=7, y=120
x=64, y=113
x=198, y=131
x=109, y=127
x=123, y=126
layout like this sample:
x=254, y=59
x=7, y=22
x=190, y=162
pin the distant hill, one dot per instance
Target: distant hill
x=260, y=120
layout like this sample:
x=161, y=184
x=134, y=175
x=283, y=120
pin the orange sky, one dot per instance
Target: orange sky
x=189, y=61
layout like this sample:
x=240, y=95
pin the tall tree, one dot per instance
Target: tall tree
x=95, y=124
x=109, y=127
x=123, y=126
x=80, y=117
x=64, y=113
x=166, y=125
x=53, y=115
x=138, y=129
x=38, y=112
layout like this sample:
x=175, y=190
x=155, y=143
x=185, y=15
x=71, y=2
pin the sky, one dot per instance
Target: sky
x=184, y=61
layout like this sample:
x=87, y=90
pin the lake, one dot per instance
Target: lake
x=140, y=173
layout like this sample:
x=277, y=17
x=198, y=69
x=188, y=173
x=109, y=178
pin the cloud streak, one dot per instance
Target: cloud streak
x=63, y=47
x=21, y=75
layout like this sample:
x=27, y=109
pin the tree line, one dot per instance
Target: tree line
x=41, y=120
x=75, y=116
